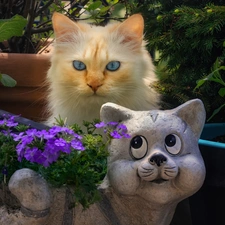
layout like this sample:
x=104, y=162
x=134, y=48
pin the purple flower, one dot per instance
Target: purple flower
x=77, y=136
x=11, y=123
x=77, y=144
x=50, y=144
x=67, y=130
x=26, y=140
x=114, y=129
x=60, y=142
x=126, y=136
x=8, y=121
x=20, y=150
x=115, y=134
x=44, y=134
x=41, y=159
x=55, y=130
x=42, y=146
x=2, y=122
x=31, y=154
x=17, y=137
x=100, y=125
x=6, y=132
x=122, y=127
x=113, y=124
x=62, y=145
x=31, y=132
x=50, y=155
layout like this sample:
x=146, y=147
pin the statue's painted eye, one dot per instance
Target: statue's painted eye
x=78, y=65
x=113, y=65
x=138, y=147
x=173, y=144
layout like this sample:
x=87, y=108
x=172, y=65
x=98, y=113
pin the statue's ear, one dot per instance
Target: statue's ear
x=111, y=112
x=193, y=113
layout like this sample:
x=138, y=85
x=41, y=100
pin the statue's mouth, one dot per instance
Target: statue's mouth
x=159, y=181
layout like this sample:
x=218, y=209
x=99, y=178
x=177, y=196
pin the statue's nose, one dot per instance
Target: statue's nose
x=158, y=159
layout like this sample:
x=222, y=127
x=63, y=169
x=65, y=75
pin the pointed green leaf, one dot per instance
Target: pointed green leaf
x=200, y=83
x=222, y=68
x=215, y=112
x=12, y=27
x=7, y=81
x=222, y=92
x=94, y=5
x=104, y=9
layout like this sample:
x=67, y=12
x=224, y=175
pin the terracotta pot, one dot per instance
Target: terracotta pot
x=28, y=98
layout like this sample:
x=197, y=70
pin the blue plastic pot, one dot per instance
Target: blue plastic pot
x=210, y=131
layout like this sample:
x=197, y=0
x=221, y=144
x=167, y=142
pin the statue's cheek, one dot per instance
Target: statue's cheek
x=192, y=173
x=123, y=177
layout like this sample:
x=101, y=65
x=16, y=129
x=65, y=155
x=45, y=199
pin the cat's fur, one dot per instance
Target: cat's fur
x=78, y=95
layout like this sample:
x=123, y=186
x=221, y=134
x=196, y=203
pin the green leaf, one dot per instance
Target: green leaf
x=112, y=1
x=94, y=5
x=222, y=68
x=104, y=9
x=12, y=27
x=7, y=81
x=215, y=112
x=200, y=83
x=222, y=92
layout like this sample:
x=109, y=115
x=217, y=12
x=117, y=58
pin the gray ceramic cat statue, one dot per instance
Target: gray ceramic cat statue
x=148, y=173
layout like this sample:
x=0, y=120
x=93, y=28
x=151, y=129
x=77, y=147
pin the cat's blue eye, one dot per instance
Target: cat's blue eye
x=78, y=65
x=113, y=65
x=138, y=147
x=173, y=144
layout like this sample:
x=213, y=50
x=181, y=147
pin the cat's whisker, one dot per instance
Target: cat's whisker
x=170, y=173
x=149, y=175
x=170, y=168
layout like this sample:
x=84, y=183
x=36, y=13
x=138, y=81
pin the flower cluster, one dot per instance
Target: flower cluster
x=62, y=155
x=8, y=122
x=41, y=146
x=115, y=130
x=45, y=146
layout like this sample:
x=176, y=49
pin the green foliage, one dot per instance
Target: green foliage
x=80, y=170
x=35, y=33
x=8, y=156
x=215, y=76
x=8, y=29
x=7, y=81
x=189, y=37
x=12, y=27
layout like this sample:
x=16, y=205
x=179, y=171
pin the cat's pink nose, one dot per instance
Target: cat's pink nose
x=94, y=87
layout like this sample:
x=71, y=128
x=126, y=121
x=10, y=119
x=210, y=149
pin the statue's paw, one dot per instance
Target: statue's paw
x=32, y=191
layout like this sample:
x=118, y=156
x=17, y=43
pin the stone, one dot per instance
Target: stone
x=32, y=191
x=148, y=174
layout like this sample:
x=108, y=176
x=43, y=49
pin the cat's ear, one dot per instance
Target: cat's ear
x=132, y=29
x=111, y=112
x=193, y=113
x=64, y=28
